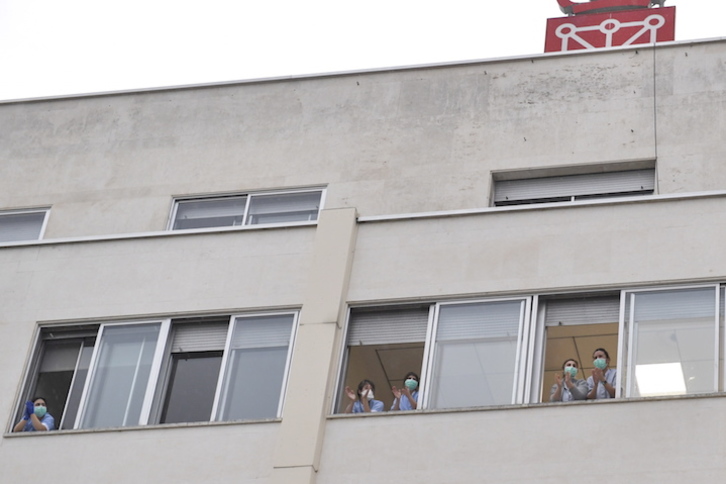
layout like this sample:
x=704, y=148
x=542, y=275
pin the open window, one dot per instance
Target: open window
x=574, y=326
x=383, y=344
x=166, y=371
x=468, y=353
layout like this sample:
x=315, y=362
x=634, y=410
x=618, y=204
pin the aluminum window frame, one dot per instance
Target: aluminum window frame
x=627, y=311
x=245, y=215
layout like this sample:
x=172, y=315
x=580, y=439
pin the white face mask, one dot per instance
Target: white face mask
x=369, y=396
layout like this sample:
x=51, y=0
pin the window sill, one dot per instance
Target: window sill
x=609, y=401
x=548, y=206
x=144, y=427
x=150, y=235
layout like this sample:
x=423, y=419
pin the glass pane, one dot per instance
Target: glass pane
x=192, y=385
x=674, y=342
x=21, y=226
x=256, y=367
x=475, y=354
x=197, y=214
x=79, y=381
x=286, y=207
x=122, y=371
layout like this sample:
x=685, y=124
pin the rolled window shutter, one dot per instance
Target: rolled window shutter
x=591, y=310
x=191, y=337
x=262, y=331
x=388, y=325
x=479, y=320
x=633, y=181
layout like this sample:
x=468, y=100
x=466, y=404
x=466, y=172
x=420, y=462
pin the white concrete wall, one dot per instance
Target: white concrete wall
x=643, y=442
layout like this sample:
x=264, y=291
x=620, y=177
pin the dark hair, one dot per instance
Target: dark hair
x=571, y=359
x=364, y=383
x=607, y=355
x=413, y=374
x=40, y=398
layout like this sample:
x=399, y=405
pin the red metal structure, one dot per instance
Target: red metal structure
x=609, y=23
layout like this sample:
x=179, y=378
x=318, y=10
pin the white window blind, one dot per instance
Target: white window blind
x=591, y=310
x=388, y=325
x=262, y=331
x=15, y=227
x=555, y=188
x=207, y=336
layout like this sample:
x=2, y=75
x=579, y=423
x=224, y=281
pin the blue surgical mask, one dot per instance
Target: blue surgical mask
x=411, y=384
x=571, y=370
x=40, y=411
x=600, y=363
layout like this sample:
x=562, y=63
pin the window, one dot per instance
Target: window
x=250, y=209
x=661, y=341
x=472, y=359
x=16, y=226
x=166, y=371
x=572, y=187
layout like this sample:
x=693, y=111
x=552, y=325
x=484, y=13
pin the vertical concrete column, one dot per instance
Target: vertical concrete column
x=312, y=374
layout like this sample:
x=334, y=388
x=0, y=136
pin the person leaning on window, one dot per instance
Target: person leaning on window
x=406, y=398
x=36, y=417
x=567, y=386
x=363, y=402
x=602, y=381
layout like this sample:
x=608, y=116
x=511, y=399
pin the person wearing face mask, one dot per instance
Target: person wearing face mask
x=36, y=417
x=567, y=386
x=363, y=401
x=602, y=382
x=407, y=396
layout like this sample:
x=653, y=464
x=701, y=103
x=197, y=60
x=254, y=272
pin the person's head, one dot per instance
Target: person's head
x=40, y=406
x=411, y=380
x=572, y=364
x=366, y=385
x=601, y=358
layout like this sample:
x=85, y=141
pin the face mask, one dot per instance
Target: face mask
x=411, y=384
x=571, y=370
x=40, y=411
x=369, y=396
x=600, y=363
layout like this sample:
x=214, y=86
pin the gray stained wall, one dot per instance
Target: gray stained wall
x=389, y=147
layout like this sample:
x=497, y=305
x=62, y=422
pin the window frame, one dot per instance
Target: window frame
x=529, y=368
x=248, y=196
x=584, y=182
x=154, y=395
x=41, y=231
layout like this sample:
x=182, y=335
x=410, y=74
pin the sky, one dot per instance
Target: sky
x=64, y=47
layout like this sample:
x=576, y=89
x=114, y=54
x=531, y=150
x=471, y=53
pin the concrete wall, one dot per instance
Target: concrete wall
x=384, y=144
